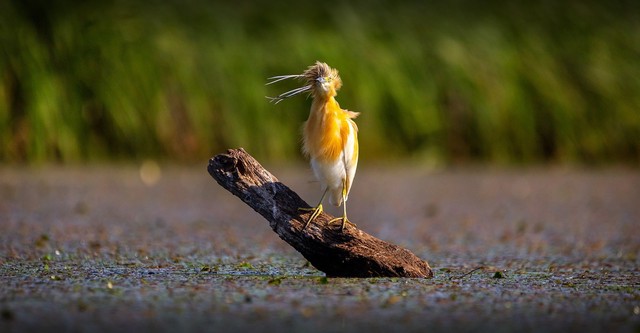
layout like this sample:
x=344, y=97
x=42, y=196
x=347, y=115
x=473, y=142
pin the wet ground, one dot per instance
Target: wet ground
x=103, y=249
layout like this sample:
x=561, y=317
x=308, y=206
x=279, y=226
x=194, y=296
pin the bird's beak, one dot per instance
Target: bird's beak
x=324, y=83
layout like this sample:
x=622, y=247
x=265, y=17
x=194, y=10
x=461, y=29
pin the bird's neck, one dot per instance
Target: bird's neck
x=324, y=104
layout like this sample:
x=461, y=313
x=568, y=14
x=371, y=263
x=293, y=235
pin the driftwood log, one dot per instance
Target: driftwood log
x=347, y=253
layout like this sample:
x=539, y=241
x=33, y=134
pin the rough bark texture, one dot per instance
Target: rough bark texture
x=347, y=253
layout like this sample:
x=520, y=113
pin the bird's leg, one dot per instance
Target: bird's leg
x=344, y=218
x=316, y=211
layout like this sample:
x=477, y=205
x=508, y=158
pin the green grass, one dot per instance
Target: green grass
x=441, y=82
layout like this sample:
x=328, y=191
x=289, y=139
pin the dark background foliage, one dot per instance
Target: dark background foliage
x=440, y=82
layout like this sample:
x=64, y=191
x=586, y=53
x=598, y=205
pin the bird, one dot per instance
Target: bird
x=330, y=136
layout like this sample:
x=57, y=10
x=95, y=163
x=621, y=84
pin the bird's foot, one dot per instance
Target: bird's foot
x=316, y=212
x=344, y=220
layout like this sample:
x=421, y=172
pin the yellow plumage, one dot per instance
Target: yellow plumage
x=330, y=135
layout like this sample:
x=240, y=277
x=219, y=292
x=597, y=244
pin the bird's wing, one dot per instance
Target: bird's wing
x=350, y=149
x=352, y=115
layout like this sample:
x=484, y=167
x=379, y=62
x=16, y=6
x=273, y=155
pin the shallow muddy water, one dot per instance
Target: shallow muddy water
x=104, y=249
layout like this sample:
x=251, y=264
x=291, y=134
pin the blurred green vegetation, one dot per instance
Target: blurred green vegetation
x=442, y=82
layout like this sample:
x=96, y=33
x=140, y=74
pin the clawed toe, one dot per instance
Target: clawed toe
x=344, y=221
x=316, y=212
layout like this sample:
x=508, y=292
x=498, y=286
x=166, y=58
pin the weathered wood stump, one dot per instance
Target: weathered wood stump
x=347, y=253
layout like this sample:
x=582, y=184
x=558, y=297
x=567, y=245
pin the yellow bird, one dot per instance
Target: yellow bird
x=330, y=136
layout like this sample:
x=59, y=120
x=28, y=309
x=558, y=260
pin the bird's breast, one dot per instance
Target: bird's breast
x=326, y=132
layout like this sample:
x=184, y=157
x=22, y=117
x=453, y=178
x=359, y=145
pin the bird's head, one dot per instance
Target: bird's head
x=321, y=81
